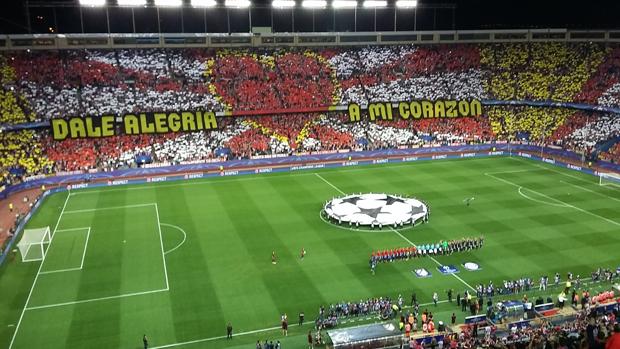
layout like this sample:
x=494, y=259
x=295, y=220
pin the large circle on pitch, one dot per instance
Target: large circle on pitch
x=374, y=210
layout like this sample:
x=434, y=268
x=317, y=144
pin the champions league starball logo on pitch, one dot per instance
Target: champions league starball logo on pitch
x=376, y=210
x=471, y=266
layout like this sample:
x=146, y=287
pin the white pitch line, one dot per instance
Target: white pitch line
x=329, y=183
x=539, y=201
x=577, y=178
x=568, y=175
x=515, y=171
x=85, y=247
x=55, y=305
x=207, y=180
x=83, y=253
x=202, y=340
x=397, y=233
x=210, y=180
x=60, y=270
x=110, y=208
x=433, y=259
x=38, y=273
x=556, y=200
x=179, y=229
x=591, y=191
x=562, y=173
x=163, y=254
x=74, y=229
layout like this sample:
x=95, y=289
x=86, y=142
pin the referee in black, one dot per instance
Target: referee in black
x=145, y=341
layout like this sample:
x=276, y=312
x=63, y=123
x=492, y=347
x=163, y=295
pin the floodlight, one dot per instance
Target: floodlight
x=375, y=3
x=237, y=3
x=204, y=3
x=169, y=3
x=131, y=2
x=406, y=3
x=92, y=2
x=314, y=3
x=283, y=3
x=344, y=3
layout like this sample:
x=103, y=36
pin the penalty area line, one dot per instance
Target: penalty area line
x=590, y=191
x=397, y=233
x=110, y=208
x=179, y=229
x=95, y=299
x=554, y=199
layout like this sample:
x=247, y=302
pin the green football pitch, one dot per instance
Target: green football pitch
x=177, y=261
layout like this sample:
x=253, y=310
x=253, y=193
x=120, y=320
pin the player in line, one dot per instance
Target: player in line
x=440, y=248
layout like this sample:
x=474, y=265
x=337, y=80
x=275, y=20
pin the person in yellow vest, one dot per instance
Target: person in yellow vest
x=10, y=207
x=43, y=188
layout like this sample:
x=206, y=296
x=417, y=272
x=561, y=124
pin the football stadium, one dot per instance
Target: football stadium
x=276, y=174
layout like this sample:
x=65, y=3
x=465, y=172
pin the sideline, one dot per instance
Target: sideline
x=21, y=317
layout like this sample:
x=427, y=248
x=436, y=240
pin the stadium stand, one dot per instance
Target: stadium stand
x=40, y=85
x=586, y=330
x=43, y=85
x=92, y=82
x=612, y=155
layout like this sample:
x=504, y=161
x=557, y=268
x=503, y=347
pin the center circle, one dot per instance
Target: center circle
x=375, y=210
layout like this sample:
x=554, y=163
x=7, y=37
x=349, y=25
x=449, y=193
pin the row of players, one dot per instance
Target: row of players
x=444, y=247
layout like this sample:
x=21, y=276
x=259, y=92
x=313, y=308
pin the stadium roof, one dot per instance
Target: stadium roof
x=61, y=16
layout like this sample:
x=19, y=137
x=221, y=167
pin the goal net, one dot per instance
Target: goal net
x=609, y=179
x=32, y=245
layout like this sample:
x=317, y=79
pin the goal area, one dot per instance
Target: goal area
x=32, y=245
x=608, y=178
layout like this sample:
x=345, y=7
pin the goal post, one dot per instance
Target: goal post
x=609, y=178
x=32, y=245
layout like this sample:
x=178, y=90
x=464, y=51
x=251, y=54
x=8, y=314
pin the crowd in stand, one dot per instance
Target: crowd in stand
x=612, y=155
x=47, y=84
x=587, y=330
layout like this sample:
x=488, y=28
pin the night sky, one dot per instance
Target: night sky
x=431, y=15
